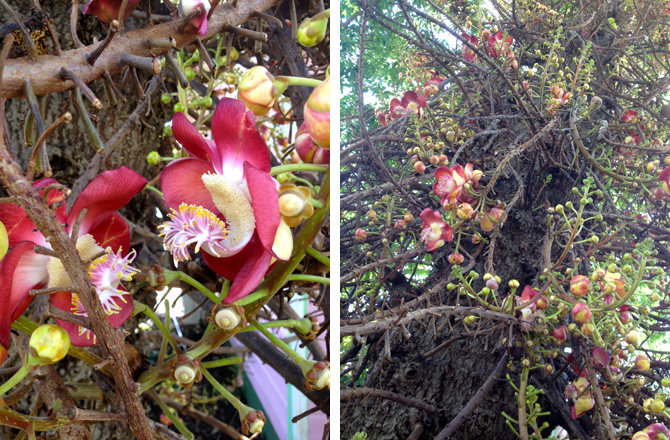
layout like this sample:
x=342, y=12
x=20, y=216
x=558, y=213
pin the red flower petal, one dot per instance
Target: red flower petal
x=395, y=103
x=20, y=270
x=600, y=357
x=112, y=232
x=263, y=191
x=181, y=182
x=105, y=195
x=246, y=269
x=236, y=136
x=108, y=10
x=19, y=226
x=192, y=141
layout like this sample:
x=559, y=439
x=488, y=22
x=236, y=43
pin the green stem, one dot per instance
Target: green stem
x=170, y=415
x=14, y=380
x=223, y=362
x=187, y=279
x=311, y=278
x=166, y=334
x=225, y=288
x=287, y=323
x=164, y=342
x=221, y=389
x=252, y=297
x=275, y=340
x=149, y=187
x=316, y=203
x=299, y=81
x=298, y=167
x=318, y=255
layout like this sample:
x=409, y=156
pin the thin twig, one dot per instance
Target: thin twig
x=68, y=75
x=113, y=29
x=30, y=171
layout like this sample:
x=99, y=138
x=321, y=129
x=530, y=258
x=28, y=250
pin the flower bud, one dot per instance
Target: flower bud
x=640, y=435
x=657, y=406
x=642, y=363
x=408, y=217
x=419, y=167
x=580, y=285
x=153, y=158
x=464, y=211
x=560, y=333
x=318, y=377
x=371, y=215
x=632, y=337
x=456, y=258
x=583, y=404
x=229, y=317
x=49, y=344
x=258, y=90
x=513, y=284
x=312, y=31
x=253, y=422
x=598, y=274
x=400, y=224
x=308, y=151
x=581, y=313
x=317, y=114
x=361, y=235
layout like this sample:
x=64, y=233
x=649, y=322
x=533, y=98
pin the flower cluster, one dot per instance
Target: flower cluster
x=497, y=44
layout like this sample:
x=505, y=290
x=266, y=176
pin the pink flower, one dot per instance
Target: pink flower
x=228, y=178
x=108, y=10
x=629, y=116
x=435, y=231
x=527, y=295
x=664, y=178
x=469, y=54
x=499, y=46
x=200, y=20
x=410, y=102
x=449, y=182
x=22, y=269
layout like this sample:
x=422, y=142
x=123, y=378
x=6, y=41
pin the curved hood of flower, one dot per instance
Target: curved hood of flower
x=230, y=178
x=469, y=54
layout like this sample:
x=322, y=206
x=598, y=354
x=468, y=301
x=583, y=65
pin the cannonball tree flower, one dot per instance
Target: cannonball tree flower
x=435, y=231
x=259, y=90
x=450, y=182
x=411, y=102
x=101, y=228
x=469, y=54
x=227, y=180
x=108, y=10
x=578, y=392
x=200, y=20
x=629, y=117
x=499, y=45
x=560, y=333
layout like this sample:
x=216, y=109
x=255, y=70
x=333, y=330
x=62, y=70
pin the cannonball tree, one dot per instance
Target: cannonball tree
x=504, y=220
x=149, y=148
